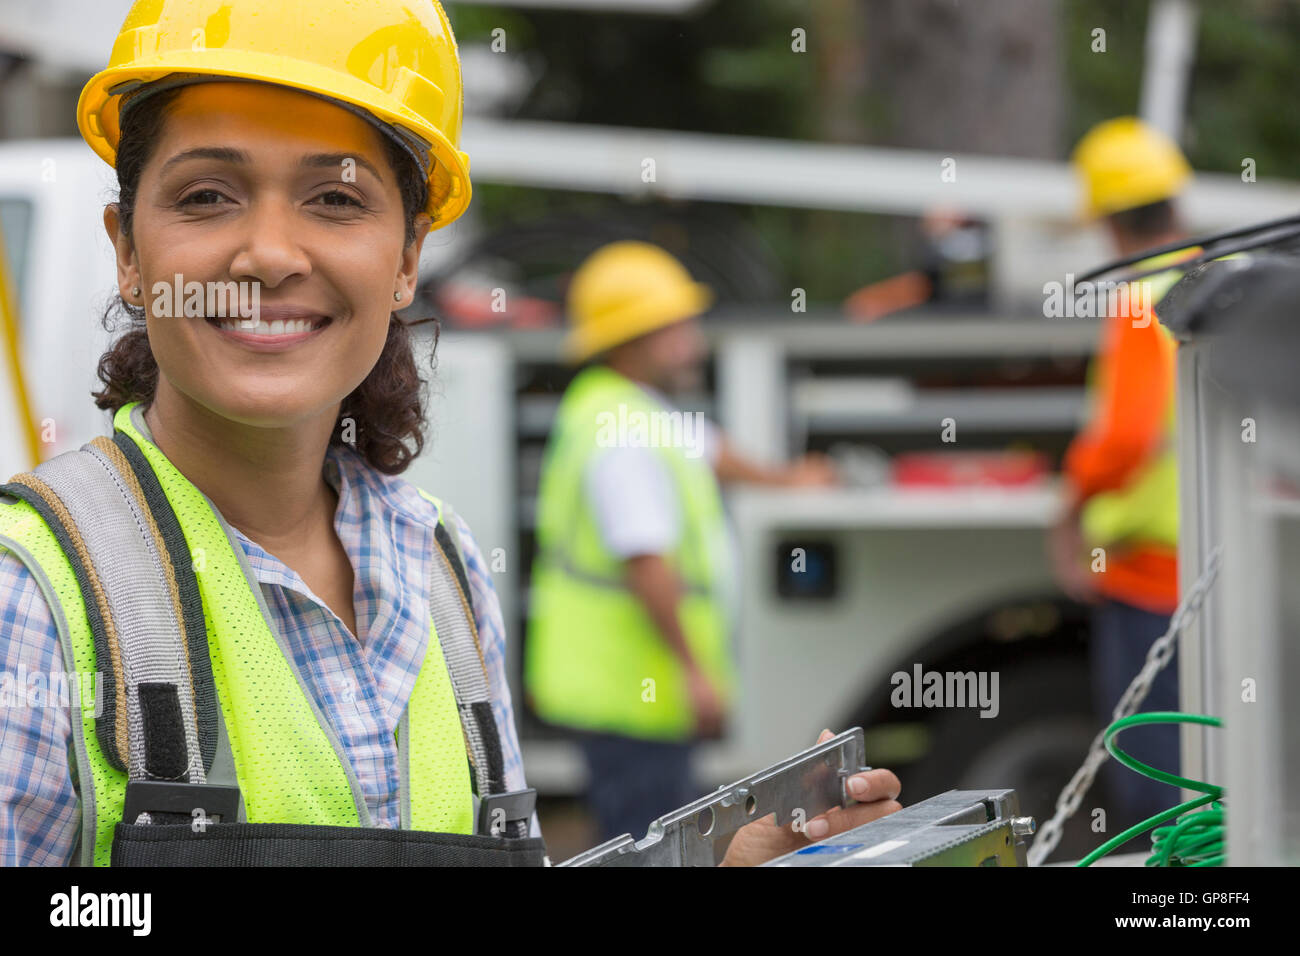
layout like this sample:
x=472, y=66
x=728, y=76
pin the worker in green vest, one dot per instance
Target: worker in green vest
x=628, y=642
x=1116, y=545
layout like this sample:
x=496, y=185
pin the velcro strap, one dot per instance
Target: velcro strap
x=164, y=732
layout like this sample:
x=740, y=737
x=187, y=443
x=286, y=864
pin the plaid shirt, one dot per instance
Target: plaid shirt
x=361, y=688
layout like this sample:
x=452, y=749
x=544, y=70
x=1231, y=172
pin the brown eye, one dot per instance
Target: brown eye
x=336, y=197
x=202, y=197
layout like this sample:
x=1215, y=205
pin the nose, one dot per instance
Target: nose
x=269, y=252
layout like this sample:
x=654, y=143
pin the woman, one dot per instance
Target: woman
x=288, y=633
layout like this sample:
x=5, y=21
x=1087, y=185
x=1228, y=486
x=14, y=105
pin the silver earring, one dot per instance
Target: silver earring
x=135, y=291
x=397, y=297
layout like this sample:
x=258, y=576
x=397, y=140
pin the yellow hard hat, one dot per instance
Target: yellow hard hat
x=395, y=59
x=624, y=290
x=1124, y=163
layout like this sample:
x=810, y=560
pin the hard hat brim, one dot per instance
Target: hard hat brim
x=585, y=342
x=1093, y=210
x=98, y=111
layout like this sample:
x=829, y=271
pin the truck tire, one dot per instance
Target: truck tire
x=1035, y=744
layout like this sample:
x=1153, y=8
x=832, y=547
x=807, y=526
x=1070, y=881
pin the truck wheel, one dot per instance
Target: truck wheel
x=1035, y=744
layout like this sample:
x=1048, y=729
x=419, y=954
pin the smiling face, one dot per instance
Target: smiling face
x=293, y=200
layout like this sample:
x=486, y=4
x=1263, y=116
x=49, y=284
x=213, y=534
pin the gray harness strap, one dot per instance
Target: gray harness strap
x=169, y=701
x=453, y=619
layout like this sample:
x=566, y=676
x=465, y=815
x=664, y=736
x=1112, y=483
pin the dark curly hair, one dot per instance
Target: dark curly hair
x=387, y=409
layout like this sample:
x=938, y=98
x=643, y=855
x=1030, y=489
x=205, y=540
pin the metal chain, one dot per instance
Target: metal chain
x=1160, y=654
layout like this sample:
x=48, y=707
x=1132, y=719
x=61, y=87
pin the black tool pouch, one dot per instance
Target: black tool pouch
x=292, y=844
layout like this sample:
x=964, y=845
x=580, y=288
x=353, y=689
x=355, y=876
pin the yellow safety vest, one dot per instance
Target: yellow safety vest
x=1145, y=510
x=594, y=659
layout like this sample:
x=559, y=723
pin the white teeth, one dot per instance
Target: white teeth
x=277, y=327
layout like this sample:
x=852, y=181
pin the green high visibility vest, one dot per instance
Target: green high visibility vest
x=289, y=765
x=1145, y=510
x=594, y=658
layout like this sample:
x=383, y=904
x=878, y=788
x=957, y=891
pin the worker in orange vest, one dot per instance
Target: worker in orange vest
x=1116, y=545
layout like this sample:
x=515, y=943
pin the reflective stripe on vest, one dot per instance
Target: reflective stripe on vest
x=594, y=657
x=288, y=763
x=1145, y=510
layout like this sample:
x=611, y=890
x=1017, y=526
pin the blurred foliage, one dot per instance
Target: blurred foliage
x=1101, y=85
x=730, y=70
x=1244, y=79
x=1244, y=88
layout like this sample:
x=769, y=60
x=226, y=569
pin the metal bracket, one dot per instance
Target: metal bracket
x=800, y=787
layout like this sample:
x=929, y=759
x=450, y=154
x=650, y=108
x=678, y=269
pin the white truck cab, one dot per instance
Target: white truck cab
x=52, y=195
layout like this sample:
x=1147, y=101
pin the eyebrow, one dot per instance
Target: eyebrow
x=228, y=154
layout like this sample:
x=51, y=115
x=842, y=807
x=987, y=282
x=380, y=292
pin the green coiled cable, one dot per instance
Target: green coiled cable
x=1197, y=839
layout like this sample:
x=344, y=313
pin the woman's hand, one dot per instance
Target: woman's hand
x=875, y=790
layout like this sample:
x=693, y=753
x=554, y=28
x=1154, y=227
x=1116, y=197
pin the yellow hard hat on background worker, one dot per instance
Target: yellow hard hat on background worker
x=396, y=61
x=624, y=290
x=1125, y=163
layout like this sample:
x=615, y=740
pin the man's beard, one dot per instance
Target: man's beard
x=681, y=380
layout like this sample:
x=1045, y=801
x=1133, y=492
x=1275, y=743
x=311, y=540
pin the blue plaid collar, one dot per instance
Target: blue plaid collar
x=375, y=513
